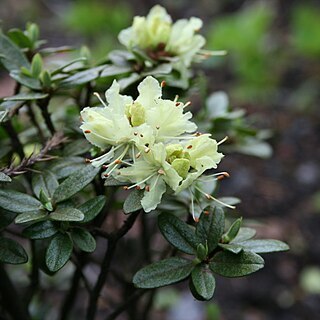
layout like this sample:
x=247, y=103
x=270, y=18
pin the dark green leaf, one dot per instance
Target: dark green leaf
x=113, y=70
x=12, y=252
x=244, y=234
x=18, y=202
x=66, y=166
x=133, y=201
x=36, y=65
x=163, y=273
x=19, y=38
x=10, y=55
x=25, y=80
x=232, y=247
x=3, y=117
x=228, y=264
x=233, y=231
x=161, y=69
x=45, y=181
x=58, y=252
x=75, y=182
x=26, y=96
x=40, y=230
x=210, y=228
x=4, y=177
x=68, y=64
x=30, y=216
x=83, y=239
x=77, y=147
x=112, y=182
x=6, y=218
x=203, y=281
x=92, y=208
x=67, y=214
x=82, y=77
x=178, y=233
x=264, y=245
x=126, y=82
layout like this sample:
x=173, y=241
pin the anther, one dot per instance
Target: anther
x=138, y=188
x=147, y=188
x=187, y=104
x=157, y=127
x=118, y=161
x=146, y=150
x=206, y=212
x=141, y=135
x=163, y=84
x=189, y=147
x=177, y=104
x=196, y=219
x=208, y=196
x=135, y=133
x=104, y=167
x=161, y=171
x=106, y=175
x=87, y=131
x=87, y=160
x=138, y=155
x=125, y=187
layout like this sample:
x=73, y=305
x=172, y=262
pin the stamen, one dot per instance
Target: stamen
x=135, y=133
x=187, y=104
x=87, y=131
x=147, y=188
x=98, y=96
x=210, y=197
x=178, y=104
x=157, y=127
x=192, y=205
x=189, y=147
x=118, y=161
x=146, y=150
x=138, y=155
x=125, y=187
x=223, y=140
x=163, y=84
x=87, y=160
x=161, y=171
x=142, y=181
x=176, y=98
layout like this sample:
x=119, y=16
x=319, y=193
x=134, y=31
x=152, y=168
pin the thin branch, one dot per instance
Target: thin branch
x=43, y=105
x=105, y=266
x=122, y=307
x=26, y=163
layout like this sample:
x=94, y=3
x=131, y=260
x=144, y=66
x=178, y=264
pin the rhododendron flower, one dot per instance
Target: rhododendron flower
x=150, y=142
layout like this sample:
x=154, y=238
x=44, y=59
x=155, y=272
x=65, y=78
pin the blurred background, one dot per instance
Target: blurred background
x=272, y=70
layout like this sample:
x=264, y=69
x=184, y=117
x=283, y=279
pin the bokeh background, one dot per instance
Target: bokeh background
x=272, y=70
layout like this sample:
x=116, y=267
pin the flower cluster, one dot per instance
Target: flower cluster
x=151, y=142
x=161, y=39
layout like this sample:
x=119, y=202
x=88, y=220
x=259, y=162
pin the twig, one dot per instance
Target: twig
x=26, y=163
x=105, y=266
x=16, y=144
x=43, y=105
x=122, y=307
x=10, y=298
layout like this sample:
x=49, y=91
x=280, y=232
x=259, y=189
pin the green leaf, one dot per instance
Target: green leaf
x=36, y=65
x=133, y=201
x=26, y=96
x=254, y=147
x=12, y=252
x=210, y=228
x=232, y=232
x=75, y=182
x=82, y=77
x=25, y=80
x=3, y=117
x=83, y=239
x=18, y=202
x=77, y=147
x=58, y=252
x=126, y=82
x=232, y=247
x=40, y=230
x=228, y=264
x=203, y=281
x=10, y=55
x=163, y=273
x=66, y=65
x=112, y=182
x=66, y=166
x=46, y=181
x=19, y=38
x=30, y=216
x=92, y=208
x=177, y=233
x=113, y=70
x=244, y=234
x=4, y=177
x=6, y=218
x=264, y=245
x=67, y=214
